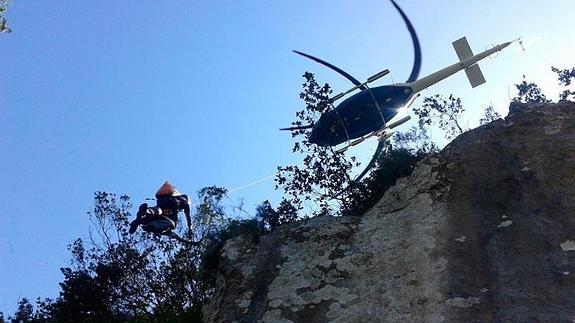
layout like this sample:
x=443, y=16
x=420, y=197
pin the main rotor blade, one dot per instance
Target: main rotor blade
x=335, y=68
x=369, y=166
x=416, y=48
x=298, y=127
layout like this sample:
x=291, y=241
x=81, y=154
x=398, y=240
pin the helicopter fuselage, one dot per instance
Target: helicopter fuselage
x=370, y=109
x=360, y=114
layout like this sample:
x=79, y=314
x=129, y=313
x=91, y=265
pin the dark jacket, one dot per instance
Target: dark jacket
x=171, y=205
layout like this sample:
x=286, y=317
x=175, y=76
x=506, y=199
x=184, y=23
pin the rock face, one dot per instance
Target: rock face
x=484, y=231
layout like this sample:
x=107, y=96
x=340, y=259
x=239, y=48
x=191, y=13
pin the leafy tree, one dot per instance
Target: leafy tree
x=325, y=171
x=489, y=115
x=209, y=216
x=269, y=219
x=83, y=298
x=415, y=140
x=565, y=77
x=267, y=216
x=529, y=92
x=287, y=212
x=446, y=111
x=42, y=311
x=25, y=311
x=3, y=23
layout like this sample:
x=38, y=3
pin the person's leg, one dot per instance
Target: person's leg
x=133, y=226
x=141, y=211
x=164, y=226
x=161, y=225
x=174, y=235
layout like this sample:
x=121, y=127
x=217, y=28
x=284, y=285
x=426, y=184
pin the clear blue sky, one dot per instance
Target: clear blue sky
x=122, y=95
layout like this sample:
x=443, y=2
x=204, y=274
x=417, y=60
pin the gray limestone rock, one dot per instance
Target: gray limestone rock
x=484, y=231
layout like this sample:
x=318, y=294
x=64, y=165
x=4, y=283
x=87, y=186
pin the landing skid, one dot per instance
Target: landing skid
x=382, y=134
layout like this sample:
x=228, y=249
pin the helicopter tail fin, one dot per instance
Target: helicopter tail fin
x=473, y=72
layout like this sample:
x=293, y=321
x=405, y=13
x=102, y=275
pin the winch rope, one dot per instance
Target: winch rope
x=250, y=184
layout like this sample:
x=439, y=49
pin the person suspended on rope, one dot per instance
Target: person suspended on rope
x=163, y=218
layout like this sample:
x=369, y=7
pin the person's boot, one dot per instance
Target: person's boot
x=141, y=211
x=134, y=226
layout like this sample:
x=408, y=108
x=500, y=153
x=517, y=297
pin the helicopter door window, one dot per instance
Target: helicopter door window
x=377, y=106
x=343, y=125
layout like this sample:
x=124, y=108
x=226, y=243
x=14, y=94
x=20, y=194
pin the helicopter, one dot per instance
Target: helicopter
x=368, y=113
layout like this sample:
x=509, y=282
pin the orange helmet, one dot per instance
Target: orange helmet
x=167, y=189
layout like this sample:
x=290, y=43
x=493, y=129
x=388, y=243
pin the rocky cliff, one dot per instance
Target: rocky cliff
x=484, y=231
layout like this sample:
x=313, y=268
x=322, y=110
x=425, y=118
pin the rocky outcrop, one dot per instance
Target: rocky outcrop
x=484, y=231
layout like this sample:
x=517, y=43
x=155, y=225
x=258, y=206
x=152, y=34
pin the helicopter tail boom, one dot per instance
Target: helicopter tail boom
x=467, y=64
